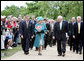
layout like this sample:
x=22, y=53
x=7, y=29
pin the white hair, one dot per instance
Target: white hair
x=59, y=17
x=73, y=17
x=79, y=17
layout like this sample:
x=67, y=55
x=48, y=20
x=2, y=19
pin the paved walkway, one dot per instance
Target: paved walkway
x=49, y=54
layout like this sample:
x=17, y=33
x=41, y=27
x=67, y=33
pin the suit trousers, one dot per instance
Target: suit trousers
x=61, y=46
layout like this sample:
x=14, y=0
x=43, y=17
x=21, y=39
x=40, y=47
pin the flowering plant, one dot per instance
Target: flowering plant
x=39, y=28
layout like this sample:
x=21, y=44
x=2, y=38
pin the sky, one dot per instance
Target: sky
x=16, y=3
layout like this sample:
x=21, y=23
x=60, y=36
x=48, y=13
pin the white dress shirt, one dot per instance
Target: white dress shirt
x=60, y=25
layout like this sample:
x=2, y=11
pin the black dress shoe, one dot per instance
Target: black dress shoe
x=59, y=54
x=80, y=53
x=76, y=52
x=26, y=53
x=73, y=50
x=70, y=49
x=63, y=54
x=30, y=48
x=39, y=54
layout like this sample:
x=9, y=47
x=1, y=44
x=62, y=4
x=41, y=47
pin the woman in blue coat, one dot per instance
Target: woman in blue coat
x=40, y=30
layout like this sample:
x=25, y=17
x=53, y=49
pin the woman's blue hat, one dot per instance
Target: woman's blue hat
x=39, y=19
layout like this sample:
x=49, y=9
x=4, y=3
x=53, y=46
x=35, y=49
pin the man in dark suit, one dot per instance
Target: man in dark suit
x=33, y=23
x=78, y=35
x=25, y=33
x=59, y=33
x=47, y=36
x=51, y=42
x=72, y=41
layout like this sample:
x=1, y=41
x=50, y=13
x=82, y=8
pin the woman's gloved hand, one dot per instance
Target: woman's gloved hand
x=41, y=31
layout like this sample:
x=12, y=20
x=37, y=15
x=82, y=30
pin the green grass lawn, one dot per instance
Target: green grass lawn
x=10, y=52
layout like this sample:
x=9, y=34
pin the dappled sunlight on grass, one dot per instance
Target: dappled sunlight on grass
x=10, y=52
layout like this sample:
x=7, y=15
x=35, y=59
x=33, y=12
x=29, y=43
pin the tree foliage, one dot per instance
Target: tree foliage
x=49, y=9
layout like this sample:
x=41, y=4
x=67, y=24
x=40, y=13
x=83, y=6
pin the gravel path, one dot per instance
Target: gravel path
x=49, y=54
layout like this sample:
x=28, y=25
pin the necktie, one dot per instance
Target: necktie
x=60, y=25
x=79, y=28
x=52, y=27
x=27, y=23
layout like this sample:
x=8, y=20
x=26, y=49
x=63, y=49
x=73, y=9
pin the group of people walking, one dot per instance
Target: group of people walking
x=39, y=33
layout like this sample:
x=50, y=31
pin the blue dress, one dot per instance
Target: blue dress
x=41, y=35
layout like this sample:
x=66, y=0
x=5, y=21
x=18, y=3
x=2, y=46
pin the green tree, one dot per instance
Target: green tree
x=49, y=9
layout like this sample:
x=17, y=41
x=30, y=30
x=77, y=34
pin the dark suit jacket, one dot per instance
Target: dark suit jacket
x=71, y=29
x=76, y=30
x=33, y=26
x=24, y=30
x=48, y=26
x=49, y=29
x=60, y=34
